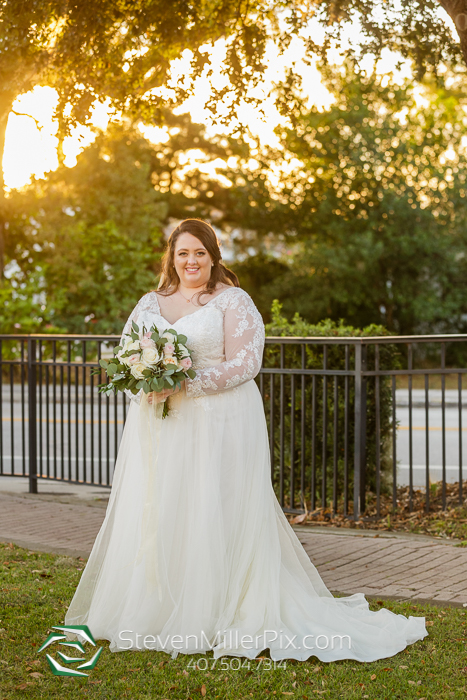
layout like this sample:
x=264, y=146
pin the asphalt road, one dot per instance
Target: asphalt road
x=66, y=431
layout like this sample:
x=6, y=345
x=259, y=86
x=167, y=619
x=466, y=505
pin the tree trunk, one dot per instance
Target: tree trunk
x=457, y=11
x=6, y=104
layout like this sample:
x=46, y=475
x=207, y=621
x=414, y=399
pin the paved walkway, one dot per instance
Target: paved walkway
x=64, y=518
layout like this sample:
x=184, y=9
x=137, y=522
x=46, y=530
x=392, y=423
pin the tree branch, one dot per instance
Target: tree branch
x=457, y=11
x=23, y=114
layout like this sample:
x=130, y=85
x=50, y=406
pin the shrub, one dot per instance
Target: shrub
x=302, y=476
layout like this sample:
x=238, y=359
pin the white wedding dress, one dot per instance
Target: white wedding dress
x=195, y=552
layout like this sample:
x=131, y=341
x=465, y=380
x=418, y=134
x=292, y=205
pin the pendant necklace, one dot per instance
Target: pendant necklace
x=188, y=301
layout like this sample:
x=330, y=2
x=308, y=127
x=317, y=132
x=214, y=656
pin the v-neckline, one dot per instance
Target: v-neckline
x=194, y=312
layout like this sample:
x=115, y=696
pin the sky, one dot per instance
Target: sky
x=31, y=147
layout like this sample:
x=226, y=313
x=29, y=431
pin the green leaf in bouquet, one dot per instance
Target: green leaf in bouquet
x=103, y=364
x=140, y=384
x=135, y=326
x=134, y=336
x=117, y=377
x=117, y=349
x=181, y=340
x=111, y=370
x=170, y=381
x=191, y=373
x=156, y=384
x=146, y=387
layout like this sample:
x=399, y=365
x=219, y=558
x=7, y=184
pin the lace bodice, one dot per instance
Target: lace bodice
x=226, y=336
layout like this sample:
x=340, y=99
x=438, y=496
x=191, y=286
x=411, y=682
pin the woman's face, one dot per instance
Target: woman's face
x=192, y=261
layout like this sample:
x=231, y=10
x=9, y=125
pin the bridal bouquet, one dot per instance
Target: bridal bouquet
x=148, y=361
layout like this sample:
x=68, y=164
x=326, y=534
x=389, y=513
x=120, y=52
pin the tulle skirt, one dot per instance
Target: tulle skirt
x=196, y=554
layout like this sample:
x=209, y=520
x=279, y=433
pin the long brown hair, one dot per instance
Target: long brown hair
x=170, y=280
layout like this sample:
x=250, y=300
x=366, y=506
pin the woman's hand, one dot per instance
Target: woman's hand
x=160, y=396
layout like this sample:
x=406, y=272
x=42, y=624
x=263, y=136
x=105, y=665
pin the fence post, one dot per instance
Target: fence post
x=32, y=415
x=363, y=413
x=357, y=432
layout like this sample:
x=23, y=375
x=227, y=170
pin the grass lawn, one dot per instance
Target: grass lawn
x=37, y=588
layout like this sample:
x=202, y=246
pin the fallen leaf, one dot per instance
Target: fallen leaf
x=36, y=674
x=403, y=667
x=373, y=677
x=298, y=519
x=203, y=690
x=430, y=623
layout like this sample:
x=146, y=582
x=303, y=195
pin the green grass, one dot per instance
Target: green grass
x=37, y=588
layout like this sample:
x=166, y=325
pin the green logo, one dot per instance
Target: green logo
x=84, y=636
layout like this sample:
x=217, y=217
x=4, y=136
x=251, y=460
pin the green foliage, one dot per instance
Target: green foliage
x=369, y=212
x=338, y=456
x=19, y=312
x=123, y=52
x=257, y=275
x=91, y=235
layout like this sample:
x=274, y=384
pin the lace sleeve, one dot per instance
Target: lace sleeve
x=140, y=306
x=244, y=343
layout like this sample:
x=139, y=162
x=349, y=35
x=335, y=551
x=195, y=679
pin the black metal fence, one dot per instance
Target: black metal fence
x=347, y=416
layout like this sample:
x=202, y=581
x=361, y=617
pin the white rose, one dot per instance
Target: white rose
x=132, y=345
x=137, y=370
x=123, y=360
x=183, y=351
x=150, y=356
x=170, y=337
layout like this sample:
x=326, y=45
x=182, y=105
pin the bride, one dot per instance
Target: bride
x=195, y=552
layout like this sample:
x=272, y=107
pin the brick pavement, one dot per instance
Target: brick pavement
x=419, y=568
x=48, y=525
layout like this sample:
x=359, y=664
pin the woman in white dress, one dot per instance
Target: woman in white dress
x=195, y=552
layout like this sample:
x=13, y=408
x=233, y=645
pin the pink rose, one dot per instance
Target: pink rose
x=186, y=363
x=147, y=342
x=169, y=349
x=133, y=359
